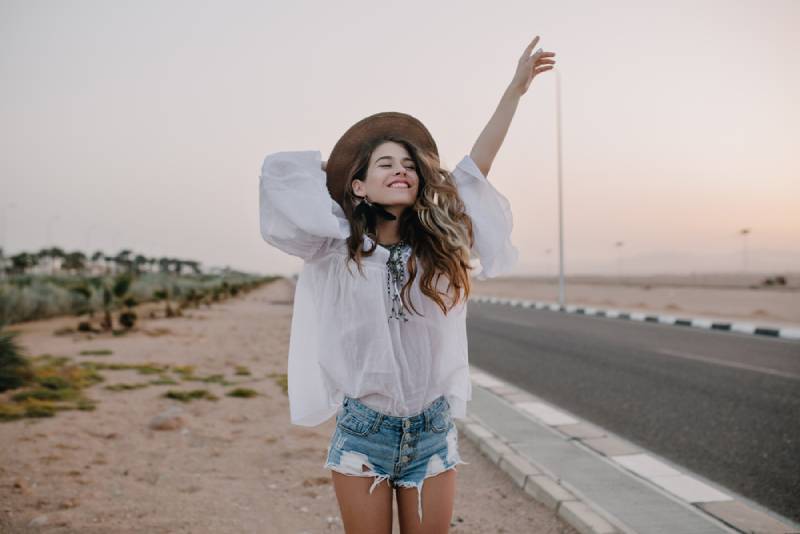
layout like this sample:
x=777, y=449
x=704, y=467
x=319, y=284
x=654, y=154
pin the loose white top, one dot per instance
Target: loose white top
x=342, y=341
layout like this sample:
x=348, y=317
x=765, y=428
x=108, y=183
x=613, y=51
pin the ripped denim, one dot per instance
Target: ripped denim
x=404, y=451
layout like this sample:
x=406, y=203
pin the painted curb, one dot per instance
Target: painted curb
x=696, y=322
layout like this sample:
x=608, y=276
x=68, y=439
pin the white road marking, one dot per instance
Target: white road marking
x=726, y=363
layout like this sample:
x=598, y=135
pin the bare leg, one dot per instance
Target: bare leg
x=363, y=512
x=438, y=494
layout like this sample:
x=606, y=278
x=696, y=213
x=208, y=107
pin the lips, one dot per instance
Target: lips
x=401, y=181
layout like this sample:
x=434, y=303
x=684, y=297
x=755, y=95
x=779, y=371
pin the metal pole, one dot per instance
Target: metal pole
x=560, y=203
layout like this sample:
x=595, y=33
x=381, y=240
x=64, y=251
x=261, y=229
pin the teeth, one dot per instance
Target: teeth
x=399, y=184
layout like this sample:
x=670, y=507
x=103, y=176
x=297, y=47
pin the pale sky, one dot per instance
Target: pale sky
x=143, y=125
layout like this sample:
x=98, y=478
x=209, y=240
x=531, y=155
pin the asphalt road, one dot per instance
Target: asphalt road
x=721, y=404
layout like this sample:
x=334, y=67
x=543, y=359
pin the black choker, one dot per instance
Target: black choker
x=371, y=211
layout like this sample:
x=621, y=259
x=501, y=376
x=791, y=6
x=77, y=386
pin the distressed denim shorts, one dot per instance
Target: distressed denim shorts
x=404, y=451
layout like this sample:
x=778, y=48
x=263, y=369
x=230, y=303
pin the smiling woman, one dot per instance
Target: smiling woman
x=395, y=380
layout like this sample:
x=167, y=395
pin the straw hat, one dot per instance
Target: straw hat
x=346, y=149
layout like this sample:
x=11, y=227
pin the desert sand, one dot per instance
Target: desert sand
x=726, y=297
x=232, y=465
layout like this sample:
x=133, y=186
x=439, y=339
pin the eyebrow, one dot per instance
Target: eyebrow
x=390, y=157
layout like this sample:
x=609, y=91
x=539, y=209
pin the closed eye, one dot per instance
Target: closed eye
x=410, y=168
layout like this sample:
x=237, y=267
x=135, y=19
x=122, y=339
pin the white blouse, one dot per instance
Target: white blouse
x=342, y=341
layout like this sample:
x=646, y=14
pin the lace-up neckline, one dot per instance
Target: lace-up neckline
x=395, y=277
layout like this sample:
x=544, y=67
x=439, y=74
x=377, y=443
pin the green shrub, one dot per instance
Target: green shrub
x=244, y=393
x=15, y=369
x=98, y=352
x=186, y=396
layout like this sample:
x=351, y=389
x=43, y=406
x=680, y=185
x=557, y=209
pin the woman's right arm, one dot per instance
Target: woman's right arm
x=297, y=214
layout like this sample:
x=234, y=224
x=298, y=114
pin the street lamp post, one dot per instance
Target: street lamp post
x=560, y=204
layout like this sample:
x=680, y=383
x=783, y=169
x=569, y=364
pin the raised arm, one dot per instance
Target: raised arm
x=491, y=138
x=297, y=213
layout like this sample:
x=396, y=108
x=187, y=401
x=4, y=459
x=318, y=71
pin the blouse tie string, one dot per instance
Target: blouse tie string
x=395, y=277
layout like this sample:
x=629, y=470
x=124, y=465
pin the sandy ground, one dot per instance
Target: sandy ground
x=730, y=298
x=232, y=465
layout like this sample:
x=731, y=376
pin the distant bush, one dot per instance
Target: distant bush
x=774, y=281
x=26, y=297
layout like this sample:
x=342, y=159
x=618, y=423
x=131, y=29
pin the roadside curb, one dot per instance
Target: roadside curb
x=696, y=322
x=732, y=511
x=534, y=481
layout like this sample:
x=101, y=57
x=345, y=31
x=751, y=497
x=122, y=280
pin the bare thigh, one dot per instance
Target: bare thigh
x=438, y=494
x=363, y=512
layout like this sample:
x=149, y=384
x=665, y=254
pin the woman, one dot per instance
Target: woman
x=384, y=347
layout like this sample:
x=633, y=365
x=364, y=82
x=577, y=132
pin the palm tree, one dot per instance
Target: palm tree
x=54, y=253
x=20, y=263
x=74, y=261
x=118, y=294
x=138, y=261
x=163, y=264
x=97, y=256
x=123, y=258
x=194, y=265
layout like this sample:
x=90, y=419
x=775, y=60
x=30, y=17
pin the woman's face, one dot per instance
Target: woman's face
x=390, y=163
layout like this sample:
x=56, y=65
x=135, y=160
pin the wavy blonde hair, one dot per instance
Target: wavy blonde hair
x=436, y=227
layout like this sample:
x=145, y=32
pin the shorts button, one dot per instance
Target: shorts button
x=406, y=424
x=405, y=458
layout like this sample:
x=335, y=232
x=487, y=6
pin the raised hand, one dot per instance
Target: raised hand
x=531, y=65
x=491, y=138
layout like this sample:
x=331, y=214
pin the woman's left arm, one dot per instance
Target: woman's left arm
x=491, y=138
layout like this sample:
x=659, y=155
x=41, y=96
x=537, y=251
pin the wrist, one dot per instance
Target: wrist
x=513, y=91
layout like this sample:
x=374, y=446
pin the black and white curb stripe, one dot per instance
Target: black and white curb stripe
x=587, y=517
x=697, y=322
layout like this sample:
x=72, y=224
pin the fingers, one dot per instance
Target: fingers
x=528, y=48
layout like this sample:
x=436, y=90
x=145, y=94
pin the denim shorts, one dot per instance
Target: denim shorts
x=404, y=451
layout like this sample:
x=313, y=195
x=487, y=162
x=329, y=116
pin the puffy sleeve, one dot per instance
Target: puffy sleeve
x=297, y=213
x=491, y=220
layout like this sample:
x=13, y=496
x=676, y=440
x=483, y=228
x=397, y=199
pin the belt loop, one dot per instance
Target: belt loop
x=427, y=415
x=377, y=424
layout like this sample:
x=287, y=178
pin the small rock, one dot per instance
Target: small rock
x=38, y=521
x=69, y=503
x=169, y=419
x=22, y=486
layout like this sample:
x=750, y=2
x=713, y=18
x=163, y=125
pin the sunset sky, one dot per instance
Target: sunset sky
x=143, y=125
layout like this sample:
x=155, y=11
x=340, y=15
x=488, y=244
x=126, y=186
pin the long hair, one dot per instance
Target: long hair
x=436, y=227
